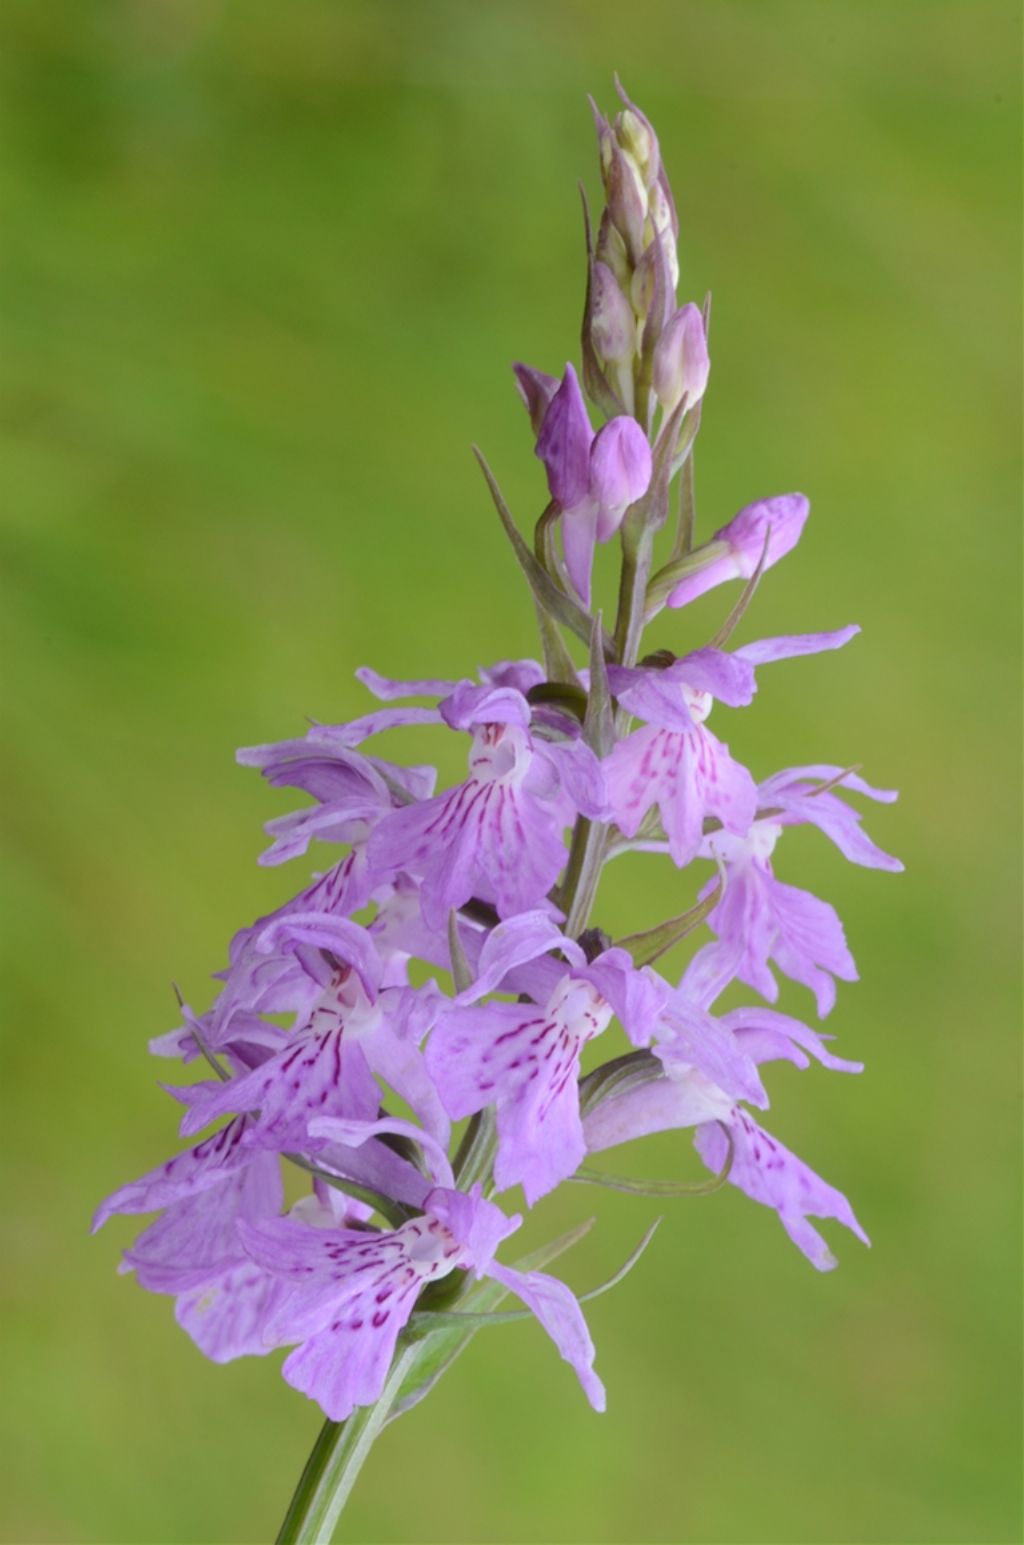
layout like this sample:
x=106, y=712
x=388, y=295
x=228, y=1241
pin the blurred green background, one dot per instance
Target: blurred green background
x=264, y=268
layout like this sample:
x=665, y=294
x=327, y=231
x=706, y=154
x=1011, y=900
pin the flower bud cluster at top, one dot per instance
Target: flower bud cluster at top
x=640, y=349
x=483, y=893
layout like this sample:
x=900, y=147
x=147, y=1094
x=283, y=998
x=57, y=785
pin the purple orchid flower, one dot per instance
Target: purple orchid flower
x=594, y=478
x=674, y=762
x=352, y=791
x=803, y=796
x=759, y=919
x=193, y=1250
x=524, y=1058
x=686, y=1096
x=353, y=1291
x=328, y=972
x=498, y=836
x=778, y=521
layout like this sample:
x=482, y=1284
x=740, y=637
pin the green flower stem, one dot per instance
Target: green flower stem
x=337, y=1458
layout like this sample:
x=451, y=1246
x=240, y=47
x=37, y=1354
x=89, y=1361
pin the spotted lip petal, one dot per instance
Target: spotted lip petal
x=349, y=1294
x=688, y=775
x=760, y=920
x=776, y=1178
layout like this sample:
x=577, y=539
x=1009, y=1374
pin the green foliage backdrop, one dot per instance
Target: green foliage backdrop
x=263, y=268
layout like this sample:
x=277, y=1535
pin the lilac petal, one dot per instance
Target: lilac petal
x=711, y=970
x=353, y=1293
x=537, y=979
x=537, y=389
x=728, y=677
x=469, y=705
x=789, y=645
x=488, y=839
x=561, y=1316
x=826, y=772
x=400, y=1063
x=293, y=833
x=810, y=943
x=636, y=772
x=654, y=696
x=486, y=1054
x=691, y=1038
x=564, y=443
x=378, y=1167
x=783, y=516
x=346, y=1364
x=198, y=1236
x=686, y=1099
x=187, y=1174
x=579, y=537
x=319, y=1073
x=477, y=1224
x=763, y=920
x=620, y=471
x=766, y=1035
x=688, y=776
x=387, y=688
x=842, y=824
x=520, y=675
x=352, y=1134
x=353, y=790
x=580, y=775
x=524, y=1061
x=515, y=859
x=341, y=1258
x=357, y=730
x=776, y=1178
x=540, y=1134
x=338, y=936
x=799, y=801
x=638, y=998
x=320, y=763
x=510, y=944
x=227, y=1315
x=433, y=838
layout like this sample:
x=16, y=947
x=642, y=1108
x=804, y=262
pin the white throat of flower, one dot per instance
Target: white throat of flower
x=501, y=753
x=698, y=702
x=579, y=1008
x=429, y=1247
x=344, y=1001
x=756, y=847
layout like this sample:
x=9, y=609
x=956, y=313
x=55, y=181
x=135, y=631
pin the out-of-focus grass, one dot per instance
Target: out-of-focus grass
x=263, y=268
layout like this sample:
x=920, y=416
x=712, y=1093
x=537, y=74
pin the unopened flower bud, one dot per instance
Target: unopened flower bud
x=681, y=362
x=627, y=202
x=620, y=470
x=564, y=443
x=771, y=527
x=663, y=224
x=637, y=139
x=612, y=324
x=611, y=250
